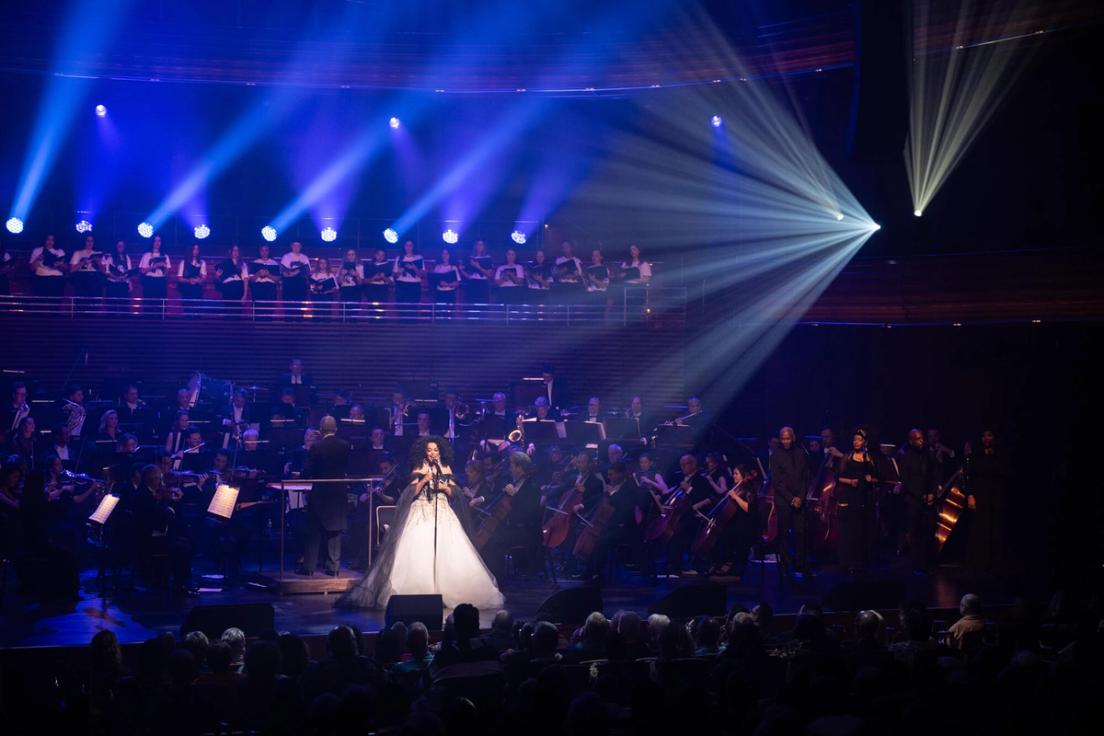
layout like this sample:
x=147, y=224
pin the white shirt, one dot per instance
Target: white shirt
x=62, y=452
x=86, y=256
x=397, y=420
x=43, y=270
x=157, y=273
x=519, y=273
x=349, y=276
x=645, y=270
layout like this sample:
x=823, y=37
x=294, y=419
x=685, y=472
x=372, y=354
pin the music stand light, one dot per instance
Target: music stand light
x=104, y=509
x=223, y=501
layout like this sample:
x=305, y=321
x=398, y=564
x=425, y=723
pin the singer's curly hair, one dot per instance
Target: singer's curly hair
x=418, y=450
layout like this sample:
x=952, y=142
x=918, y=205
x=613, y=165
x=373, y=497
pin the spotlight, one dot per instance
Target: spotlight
x=268, y=233
x=839, y=215
x=875, y=226
x=450, y=236
x=716, y=121
x=518, y=237
x=145, y=230
x=391, y=236
x=101, y=111
x=329, y=234
x=917, y=213
x=84, y=226
x=14, y=225
x=201, y=231
x=394, y=123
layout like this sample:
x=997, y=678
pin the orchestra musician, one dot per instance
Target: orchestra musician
x=72, y=407
x=623, y=495
x=522, y=525
x=700, y=494
x=326, y=504
x=789, y=476
x=48, y=269
x=23, y=442
x=730, y=553
x=556, y=390
x=16, y=410
x=156, y=530
x=176, y=436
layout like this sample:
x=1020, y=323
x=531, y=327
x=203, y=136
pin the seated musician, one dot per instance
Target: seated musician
x=647, y=477
x=132, y=410
x=644, y=421
x=695, y=416
x=193, y=458
x=236, y=419
x=591, y=481
x=297, y=458
x=700, y=495
x=23, y=442
x=594, y=410
x=342, y=403
x=614, y=454
x=541, y=410
x=109, y=428
x=522, y=526
x=298, y=379
x=623, y=494
x=423, y=429
x=356, y=413
x=73, y=408
x=285, y=413
x=156, y=530
x=174, y=438
x=62, y=447
x=254, y=458
x=19, y=408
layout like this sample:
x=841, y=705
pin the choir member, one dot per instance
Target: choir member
x=48, y=269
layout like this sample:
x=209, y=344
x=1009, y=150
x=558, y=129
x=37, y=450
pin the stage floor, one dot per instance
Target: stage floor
x=140, y=614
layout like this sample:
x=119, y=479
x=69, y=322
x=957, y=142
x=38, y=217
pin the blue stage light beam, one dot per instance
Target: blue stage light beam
x=88, y=29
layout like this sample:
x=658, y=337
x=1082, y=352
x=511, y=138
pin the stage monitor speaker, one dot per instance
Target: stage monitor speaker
x=570, y=606
x=252, y=618
x=702, y=599
x=429, y=609
x=856, y=595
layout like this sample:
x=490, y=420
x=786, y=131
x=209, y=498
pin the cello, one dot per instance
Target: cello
x=599, y=519
x=720, y=516
x=498, y=512
x=557, y=527
x=675, y=507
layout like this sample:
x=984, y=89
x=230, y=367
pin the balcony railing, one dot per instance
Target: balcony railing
x=651, y=306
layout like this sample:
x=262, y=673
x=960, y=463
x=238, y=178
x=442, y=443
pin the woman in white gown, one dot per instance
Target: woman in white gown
x=427, y=550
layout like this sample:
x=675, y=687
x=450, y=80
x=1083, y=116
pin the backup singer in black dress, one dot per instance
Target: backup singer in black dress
x=988, y=473
x=855, y=490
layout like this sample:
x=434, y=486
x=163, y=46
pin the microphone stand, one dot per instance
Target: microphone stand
x=436, y=483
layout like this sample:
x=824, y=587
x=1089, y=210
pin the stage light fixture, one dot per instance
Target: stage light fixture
x=518, y=237
x=716, y=121
x=839, y=216
x=101, y=111
x=268, y=233
x=450, y=236
x=145, y=230
x=391, y=236
x=14, y=225
x=201, y=231
x=83, y=226
x=328, y=234
x=917, y=213
x=394, y=123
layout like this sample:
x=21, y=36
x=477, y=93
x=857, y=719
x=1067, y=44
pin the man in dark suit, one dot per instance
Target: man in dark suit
x=522, y=527
x=326, y=513
x=301, y=383
x=623, y=494
x=555, y=389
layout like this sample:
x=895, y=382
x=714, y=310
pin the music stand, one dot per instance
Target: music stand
x=672, y=435
x=585, y=434
x=223, y=502
x=542, y=430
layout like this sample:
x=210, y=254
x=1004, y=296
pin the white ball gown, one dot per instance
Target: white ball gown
x=407, y=564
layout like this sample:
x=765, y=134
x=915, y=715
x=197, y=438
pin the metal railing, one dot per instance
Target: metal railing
x=659, y=306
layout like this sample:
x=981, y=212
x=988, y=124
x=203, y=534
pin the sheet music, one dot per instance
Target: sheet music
x=103, y=511
x=223, y=502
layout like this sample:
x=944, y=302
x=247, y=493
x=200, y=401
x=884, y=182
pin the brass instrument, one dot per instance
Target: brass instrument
x=517, y=436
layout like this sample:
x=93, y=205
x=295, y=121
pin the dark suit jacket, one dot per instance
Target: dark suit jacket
x=329, y=458
x=525, y=513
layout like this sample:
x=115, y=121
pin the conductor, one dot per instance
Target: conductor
x=325, y=513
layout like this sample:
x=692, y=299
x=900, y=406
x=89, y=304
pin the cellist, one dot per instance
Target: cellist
x=521, y=525
x=618, y=525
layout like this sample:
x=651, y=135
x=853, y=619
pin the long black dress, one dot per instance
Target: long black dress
x=854, y=504
x=988, y=484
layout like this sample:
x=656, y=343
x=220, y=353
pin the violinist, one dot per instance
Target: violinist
x=855, y=483
x=155, y=527
x=647, y=477
x=789, y=474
